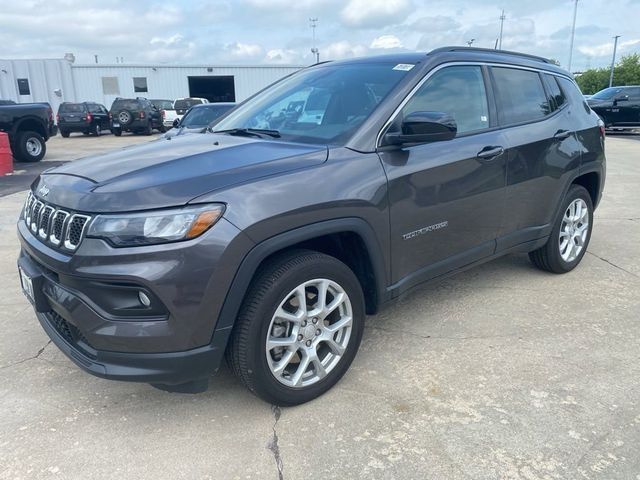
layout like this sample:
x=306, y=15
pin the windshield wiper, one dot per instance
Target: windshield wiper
x=250, y=132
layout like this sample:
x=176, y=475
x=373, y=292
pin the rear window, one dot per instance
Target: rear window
x=126, y=105
x=186, y=103
x=573, y=93
x=163, y=104
x=71, y=108
x=520, y=95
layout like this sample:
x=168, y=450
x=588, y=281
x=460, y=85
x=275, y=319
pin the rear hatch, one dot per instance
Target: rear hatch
x=185, y=104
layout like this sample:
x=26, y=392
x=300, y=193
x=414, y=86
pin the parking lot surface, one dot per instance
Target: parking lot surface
x=500, y=372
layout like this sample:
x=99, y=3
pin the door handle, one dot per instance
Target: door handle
x=490, y=152
x=562, y=134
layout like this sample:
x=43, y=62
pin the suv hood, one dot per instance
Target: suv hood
x=170, y=172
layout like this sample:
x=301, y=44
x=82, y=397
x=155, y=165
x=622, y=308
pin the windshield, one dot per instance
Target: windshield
x=203, y=116
x=71, y=108
x=186, y=103
x=318, y=105
x=163, y=104
x=607, y=93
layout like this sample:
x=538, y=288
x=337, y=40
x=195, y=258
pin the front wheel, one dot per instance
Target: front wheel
x=299, y=328
x=570, y=236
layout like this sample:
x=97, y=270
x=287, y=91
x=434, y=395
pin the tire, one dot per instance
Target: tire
x=274, y=284
x=125, y=117
x=148, y=130
x=65, y=133
x=116, y=131
x=97, y=130
x=30, y=147
x=552, y=257
x=162, y=128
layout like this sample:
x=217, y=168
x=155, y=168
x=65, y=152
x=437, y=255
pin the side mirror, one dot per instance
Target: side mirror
x=423, y=127
x=176, y=123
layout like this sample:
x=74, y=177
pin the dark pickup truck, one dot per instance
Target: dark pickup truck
x=29, y=126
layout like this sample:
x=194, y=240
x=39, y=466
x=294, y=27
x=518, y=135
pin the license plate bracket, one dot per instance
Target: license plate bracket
x=32, y=282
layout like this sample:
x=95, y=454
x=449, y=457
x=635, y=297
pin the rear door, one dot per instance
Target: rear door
x=543, y=150
x=629, y=109
x=447, y=198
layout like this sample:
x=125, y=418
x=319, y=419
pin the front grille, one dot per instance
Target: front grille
x=53, y=225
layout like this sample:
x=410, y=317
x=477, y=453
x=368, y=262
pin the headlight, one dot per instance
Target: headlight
x=161, y=226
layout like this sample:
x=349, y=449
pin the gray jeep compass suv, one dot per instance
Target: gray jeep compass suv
x=310, y=205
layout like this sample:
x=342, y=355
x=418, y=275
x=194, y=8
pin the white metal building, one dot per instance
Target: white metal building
x=57, y=80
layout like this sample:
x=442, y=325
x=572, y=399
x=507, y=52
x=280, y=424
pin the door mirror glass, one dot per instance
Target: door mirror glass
x=423, y=127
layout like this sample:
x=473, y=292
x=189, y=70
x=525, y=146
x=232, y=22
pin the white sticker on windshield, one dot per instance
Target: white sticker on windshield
x=405, y=67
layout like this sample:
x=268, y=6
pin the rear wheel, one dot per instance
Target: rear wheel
x=116, y=131
x=148, y=130
x=65, y=133
x=97, y=130
x=30, y=147
x=570, y=236
x=299, y=328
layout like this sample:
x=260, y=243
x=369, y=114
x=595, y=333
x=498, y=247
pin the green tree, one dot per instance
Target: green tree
x=626, y=72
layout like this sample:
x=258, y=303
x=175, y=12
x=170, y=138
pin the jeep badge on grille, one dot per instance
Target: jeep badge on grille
x=43, y=191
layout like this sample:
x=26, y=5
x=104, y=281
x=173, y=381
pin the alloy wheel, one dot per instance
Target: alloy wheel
x=574, y=230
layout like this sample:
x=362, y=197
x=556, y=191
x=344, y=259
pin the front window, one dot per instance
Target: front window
x=202, y=116
x=607, y=93
x=318, y=105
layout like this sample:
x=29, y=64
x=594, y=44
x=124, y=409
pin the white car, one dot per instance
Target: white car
x=167, y=110
x=181, y=105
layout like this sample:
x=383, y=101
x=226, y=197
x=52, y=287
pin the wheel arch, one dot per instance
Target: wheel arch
x=351, y=240
x=30, y=124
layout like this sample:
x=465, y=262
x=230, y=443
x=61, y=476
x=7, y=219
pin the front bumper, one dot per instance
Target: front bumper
x=180, y=345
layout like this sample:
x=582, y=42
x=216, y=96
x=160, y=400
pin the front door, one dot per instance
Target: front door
x=447, y=198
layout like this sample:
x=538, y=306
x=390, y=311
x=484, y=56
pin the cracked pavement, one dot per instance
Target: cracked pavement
x=499, y=372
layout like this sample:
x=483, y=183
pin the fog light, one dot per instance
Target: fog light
x=144, y=299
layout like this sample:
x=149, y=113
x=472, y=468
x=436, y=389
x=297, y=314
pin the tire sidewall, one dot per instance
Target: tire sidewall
x=556, y=260
x=96, y=130
x=263, y=380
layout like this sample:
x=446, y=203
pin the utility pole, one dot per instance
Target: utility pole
x=470, y=42
x=313, y=22
x=613, y=60
x=573, y=33
x=96, y=57
x=502, y=17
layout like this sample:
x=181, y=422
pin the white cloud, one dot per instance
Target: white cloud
x=607, y=48
x=386, y=41
x=282, y=56
x=245, y=50
x=342, y=49
x=375, y=13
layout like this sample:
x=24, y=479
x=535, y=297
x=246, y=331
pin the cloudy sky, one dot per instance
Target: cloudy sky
x=277, y=31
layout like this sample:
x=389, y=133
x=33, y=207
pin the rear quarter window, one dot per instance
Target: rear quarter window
x=573, y=94
x=520, y=95
x=556, y=96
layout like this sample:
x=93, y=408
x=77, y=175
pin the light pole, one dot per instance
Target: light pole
x=573, y=33
x=313, y=23
x=502, y=17
x=470, y=42
x=613, y=60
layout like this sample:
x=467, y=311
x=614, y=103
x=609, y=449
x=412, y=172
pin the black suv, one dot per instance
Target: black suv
x=86, y=117
x=619, y=107
x=137, y=115
x=319, y=200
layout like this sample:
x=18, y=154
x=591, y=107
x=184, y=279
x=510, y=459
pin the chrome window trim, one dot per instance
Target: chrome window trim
x=436, y=69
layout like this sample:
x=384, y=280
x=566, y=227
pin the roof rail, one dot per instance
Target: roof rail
x=491, y=50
